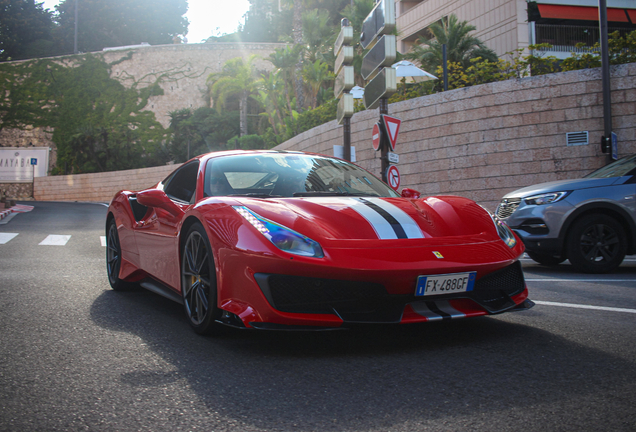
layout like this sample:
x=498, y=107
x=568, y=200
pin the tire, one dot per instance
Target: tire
x=596, y=244
x=113, y=259
x=198, y=282
x=544, y=259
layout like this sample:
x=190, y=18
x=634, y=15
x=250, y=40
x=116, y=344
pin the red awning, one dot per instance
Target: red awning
x=632, y=15
x=580, y=13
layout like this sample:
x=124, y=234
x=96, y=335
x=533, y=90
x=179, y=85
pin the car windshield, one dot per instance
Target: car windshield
x=619, y=168
x=289, y=175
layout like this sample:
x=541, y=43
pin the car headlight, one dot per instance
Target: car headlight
x=504, y=231
x=282, y=237
x=546, y=198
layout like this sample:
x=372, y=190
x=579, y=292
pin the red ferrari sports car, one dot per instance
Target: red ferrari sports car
x=298, y=241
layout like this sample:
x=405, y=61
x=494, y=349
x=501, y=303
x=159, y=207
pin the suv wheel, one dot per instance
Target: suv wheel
x=596, y=244
x=545, y=259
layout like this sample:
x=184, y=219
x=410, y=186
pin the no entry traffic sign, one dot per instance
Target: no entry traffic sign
x=376, y=136
x=393, y=177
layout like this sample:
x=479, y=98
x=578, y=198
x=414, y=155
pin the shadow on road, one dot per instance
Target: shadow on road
x=372, y=377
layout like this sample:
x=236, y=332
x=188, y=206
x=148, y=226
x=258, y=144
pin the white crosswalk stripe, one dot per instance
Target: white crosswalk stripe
x=6, y=237
x=50, y=240
x=55, y=240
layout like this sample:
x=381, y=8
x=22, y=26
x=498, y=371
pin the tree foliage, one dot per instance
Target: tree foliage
x=98, y=124
x=202, y=130
x=461, y=47
x=29, y=31
x=108, y=23
x=238, y=78
x=25, y=30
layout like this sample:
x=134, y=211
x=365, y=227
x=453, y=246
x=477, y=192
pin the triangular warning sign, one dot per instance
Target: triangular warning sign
x=392, y=128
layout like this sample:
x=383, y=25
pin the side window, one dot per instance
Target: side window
x=182, y=183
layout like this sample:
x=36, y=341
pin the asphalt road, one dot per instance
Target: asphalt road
x=76, y=355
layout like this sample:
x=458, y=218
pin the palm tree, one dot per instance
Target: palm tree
x=238, y=78
x=315, y=75
x=297, y=33
x=285, y=61
x=460, y=46
x=318, y=33
x=271, y=97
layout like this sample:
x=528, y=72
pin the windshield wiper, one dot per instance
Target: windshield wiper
x=332, y=193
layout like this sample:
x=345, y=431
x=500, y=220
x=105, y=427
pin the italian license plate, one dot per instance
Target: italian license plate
x=445, y=283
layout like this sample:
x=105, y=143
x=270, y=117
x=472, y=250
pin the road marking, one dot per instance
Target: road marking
x=579, y=306
x=6, y=237
x=55, y=240
x=102, y=239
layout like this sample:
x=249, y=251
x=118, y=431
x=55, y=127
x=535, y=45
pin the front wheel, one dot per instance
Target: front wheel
x=113, y=259
x=198, y=282
x=596, y=244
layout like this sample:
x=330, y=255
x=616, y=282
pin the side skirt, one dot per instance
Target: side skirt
x=161, y=289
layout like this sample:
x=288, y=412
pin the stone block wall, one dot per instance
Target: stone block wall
x=182, y=69
x=484, y=141
x=99, y=187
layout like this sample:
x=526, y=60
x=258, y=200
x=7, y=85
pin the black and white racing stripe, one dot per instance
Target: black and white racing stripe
x=436, y=310
x=388, y=221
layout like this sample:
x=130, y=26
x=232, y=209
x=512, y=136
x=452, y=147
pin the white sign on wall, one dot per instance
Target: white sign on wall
x=16, y=166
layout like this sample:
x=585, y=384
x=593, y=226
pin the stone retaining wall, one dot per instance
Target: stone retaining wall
x=99, y=187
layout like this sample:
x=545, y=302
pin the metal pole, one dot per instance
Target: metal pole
x=605, y=77
x=346, y=138
x=384, y=151
x=445, y=66
x=75, y=38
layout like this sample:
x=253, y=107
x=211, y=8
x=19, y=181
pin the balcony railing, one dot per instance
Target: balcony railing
x=564, y=38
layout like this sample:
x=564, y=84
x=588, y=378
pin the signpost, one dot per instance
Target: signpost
x=382, y=86
x=34, y=162
x=382, y=81
x=345, y=80
x=382, y=54
x=380, y=21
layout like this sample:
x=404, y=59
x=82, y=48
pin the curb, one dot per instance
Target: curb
x=5, y=213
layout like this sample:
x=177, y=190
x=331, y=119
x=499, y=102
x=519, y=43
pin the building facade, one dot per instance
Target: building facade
x=507, y=25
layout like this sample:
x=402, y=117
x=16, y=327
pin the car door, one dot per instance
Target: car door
x=157, y=233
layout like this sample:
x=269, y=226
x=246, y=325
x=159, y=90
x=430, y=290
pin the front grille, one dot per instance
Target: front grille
x=359, y=301
x=493, y=291
x=353, y=301
x=507, y=207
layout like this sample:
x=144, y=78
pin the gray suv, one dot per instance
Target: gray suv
x=590, y=221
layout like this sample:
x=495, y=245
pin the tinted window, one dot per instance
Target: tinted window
x=181, y=184
x=621, y=167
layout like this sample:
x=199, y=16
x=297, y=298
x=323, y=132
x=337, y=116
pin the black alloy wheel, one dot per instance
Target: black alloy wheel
x=545, y=259
x=113, y=259
x=198, y=282
x=596, y=244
